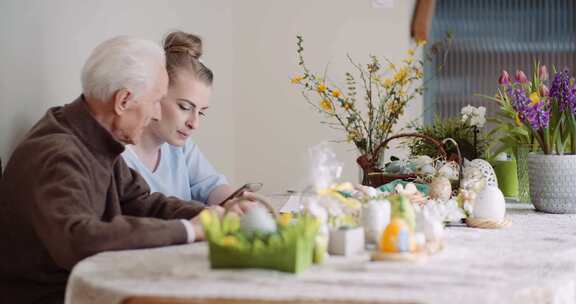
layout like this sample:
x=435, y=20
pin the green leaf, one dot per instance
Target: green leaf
x=520, y=132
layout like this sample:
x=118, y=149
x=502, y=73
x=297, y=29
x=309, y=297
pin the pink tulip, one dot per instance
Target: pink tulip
x=504, y=78
x=543, y=90
x=521, y=77
x=543, y=73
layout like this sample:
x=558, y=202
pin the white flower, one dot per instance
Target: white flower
x=475, y=116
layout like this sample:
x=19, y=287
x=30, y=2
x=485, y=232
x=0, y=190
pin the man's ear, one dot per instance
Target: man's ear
x=121, y=101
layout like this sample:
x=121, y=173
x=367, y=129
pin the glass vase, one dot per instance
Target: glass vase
x=523, y=177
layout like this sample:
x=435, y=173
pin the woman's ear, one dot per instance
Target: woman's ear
x=122, y=98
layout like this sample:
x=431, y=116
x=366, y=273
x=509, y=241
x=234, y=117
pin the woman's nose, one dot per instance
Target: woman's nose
x=193, y=121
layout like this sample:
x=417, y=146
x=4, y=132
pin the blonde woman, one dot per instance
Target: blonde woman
x=166, y=157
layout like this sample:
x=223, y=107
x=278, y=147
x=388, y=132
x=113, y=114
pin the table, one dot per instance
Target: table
x=533, y=261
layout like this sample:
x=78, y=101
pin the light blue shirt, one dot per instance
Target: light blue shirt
x=183, y=172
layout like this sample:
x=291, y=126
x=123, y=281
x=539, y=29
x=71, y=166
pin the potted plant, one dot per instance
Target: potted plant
x=465, y=130
x=374, y=98
x=546, y=118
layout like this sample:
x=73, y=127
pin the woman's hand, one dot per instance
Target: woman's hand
x=242, y=204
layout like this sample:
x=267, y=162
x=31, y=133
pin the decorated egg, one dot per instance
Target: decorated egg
x=486, y=170
x=489, y=204
x=257, y=220
x=427, y=170
x=375, y=218
x=473, y=179
x=396, y=237
x=394, y=166
x=440, y=188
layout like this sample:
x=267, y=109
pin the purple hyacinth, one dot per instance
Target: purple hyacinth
x=536, y=115
x=562, y=92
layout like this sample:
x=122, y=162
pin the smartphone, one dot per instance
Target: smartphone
x=252, y=187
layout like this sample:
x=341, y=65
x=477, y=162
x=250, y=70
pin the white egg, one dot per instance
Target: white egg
x=258, y=219
x=427, y=170
x=375, y=217
x=490, y=204
x=440, y=188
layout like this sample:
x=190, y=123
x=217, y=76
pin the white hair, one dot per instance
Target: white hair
x=121, y=63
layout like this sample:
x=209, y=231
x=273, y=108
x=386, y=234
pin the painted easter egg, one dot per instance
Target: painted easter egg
x=486, y=169
x=396, y=237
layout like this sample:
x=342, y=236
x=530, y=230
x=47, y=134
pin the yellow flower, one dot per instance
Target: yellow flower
x=229, y=240
x=387, y=83
x=402, y=93
x=346, y=105
x=392, y=66
x=206, y=217
x=336, y=93
x=285, y=218
x=394, y=107
x=420, y=43
x=321, y=88
x=327, y=106
x=411, y=52
x=401, y=75
x=418, y=73
x=535, y=98
x=518, y=122
x=352, y=136
x=409, y=60
x=385, y=126
x=296, y=79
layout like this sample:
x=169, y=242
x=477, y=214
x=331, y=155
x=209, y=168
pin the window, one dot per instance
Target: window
x=492, y=35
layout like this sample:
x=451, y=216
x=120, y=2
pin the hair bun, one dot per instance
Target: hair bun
x=181, y=42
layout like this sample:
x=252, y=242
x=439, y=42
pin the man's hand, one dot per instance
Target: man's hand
x=198, y=228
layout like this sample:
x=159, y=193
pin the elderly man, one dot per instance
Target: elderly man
x=66, y=194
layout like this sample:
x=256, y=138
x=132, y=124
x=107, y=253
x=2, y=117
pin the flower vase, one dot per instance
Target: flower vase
x=507, y=174
x=553, y=182
x=522, y=171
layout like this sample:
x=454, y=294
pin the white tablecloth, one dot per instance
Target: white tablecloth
x=533, y=261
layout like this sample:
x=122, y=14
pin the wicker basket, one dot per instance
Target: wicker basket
x=293, y=251
x=375, y=177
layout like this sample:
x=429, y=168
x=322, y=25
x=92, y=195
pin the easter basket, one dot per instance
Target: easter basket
x=375, y=177
x=289, y=249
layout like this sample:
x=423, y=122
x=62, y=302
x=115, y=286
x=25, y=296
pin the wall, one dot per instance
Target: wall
x=259, y=126
x=44, y=44
x=275, y=125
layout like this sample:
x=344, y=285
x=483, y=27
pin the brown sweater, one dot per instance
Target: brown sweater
x=67, y=194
